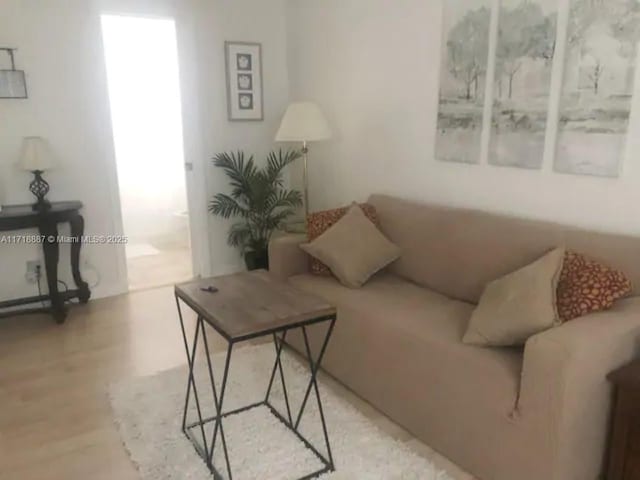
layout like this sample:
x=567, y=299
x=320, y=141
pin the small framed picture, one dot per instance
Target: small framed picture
x=13, y=84
x=244, y=81
x=245, y=101
x=244, y=62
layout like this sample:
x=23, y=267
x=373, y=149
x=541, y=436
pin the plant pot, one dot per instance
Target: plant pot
x=257, y=260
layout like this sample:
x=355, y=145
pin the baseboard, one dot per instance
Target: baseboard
x=106, y=291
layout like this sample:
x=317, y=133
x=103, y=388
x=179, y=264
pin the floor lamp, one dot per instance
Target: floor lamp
x=304, y=122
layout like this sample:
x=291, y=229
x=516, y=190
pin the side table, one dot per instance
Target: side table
x=242, y=307
x=624, y=448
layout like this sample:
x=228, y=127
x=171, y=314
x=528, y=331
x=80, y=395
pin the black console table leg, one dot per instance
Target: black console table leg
x=49, y=230
x=77, y=231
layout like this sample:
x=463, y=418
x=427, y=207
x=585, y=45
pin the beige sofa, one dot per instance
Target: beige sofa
x=538, y=413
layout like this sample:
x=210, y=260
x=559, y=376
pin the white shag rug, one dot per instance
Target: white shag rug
x=148, y=412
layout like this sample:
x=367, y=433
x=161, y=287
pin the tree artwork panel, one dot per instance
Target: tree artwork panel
x=598, y=86
x=467, y=25
x=526, y=46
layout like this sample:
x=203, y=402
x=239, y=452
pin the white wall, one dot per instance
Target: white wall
x=60, y=48
x=250, y=21
x=373, y=65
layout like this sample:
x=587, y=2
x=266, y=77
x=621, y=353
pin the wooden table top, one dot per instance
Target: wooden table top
x=19, y=217
x=252, y=304
x=26, y=210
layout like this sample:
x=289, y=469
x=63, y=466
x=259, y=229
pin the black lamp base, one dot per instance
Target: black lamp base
x=39, y=187
x=42, y=205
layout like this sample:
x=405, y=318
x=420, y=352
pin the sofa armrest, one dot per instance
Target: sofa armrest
x=286, y=258
x=564, y=387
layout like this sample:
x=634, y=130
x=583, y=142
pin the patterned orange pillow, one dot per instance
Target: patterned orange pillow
x=320, y=222
x=586, y=286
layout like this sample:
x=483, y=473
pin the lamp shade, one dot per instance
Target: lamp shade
x=303, y=122
x=36, y=155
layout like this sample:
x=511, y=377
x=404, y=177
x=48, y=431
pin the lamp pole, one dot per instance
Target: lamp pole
x=305, y=176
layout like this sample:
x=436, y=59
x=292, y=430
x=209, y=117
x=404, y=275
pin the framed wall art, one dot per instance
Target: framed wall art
x=465, y=57
x=244, y=81
x=598, y=87
x=13, y=83
x=557, y=90
x=523, y=67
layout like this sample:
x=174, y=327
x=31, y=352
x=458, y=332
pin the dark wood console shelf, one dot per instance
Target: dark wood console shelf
x=23, y=217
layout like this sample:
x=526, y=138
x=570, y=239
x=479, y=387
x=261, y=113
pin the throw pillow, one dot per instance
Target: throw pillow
x=320, y=222
x=354, y=249
x=518, y=305
x=587, y=286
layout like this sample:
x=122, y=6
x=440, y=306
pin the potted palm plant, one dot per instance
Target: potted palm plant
x=258, y=199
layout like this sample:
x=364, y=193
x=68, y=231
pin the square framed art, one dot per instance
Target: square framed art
x=244, y=81
x=13, y=83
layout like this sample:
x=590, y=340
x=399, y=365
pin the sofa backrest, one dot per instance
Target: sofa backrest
x=457, y=252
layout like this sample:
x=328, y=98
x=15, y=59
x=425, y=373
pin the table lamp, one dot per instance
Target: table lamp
x=304, y=122
x=36, y=158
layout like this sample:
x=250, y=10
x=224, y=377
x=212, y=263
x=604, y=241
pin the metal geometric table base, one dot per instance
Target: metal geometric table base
x=194, y=430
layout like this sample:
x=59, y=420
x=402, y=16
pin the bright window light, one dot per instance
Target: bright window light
x=144, y=92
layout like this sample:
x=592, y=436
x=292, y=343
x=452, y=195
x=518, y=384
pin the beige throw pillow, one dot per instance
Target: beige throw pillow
x=353, y=248
x=518, y=305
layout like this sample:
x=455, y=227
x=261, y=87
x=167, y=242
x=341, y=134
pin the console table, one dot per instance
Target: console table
x=22, y=217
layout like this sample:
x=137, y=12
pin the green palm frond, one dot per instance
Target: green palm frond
x=276, y=163
x=276, y=221
x=226, y=207
x=241, y=173
x=239, y=235
x=284, y=199
x=257, y=196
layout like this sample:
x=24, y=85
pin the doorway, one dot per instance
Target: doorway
x=144, y=92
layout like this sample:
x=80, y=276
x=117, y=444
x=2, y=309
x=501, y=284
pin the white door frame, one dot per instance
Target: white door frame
x=194, y=154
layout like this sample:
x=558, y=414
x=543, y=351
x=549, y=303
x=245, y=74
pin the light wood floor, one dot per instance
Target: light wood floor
x=55, y=418
x=172, y=264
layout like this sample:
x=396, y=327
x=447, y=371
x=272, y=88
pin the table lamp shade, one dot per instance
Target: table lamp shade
x=36, y=155
x=303, y=122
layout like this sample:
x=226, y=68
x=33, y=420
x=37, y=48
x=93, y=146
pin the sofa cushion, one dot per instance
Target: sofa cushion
x=417, y=334
x=518, y=305
x=457, y=252
x=353, y=248
x=320, y=222
x=587, y=286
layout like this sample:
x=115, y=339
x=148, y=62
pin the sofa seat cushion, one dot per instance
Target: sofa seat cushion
x=417, y=333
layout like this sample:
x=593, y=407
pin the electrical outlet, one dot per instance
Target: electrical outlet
x=34, y=271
